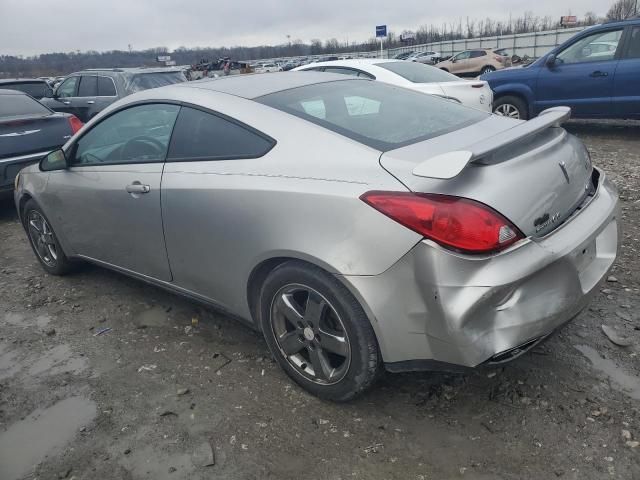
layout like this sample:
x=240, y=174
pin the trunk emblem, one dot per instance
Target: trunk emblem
x=545, y=220
x=563, y=167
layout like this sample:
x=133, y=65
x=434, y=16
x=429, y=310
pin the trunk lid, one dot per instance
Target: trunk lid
x=536, y=180
x=32, y=134
x=475, y=94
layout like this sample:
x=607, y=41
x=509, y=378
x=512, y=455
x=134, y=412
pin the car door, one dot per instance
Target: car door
x=626, y=93
x=460, y=63
x=203, y=206
x=86, y=98
x=582, y=75
x=64, y=95
x=107, y=202
x=477, y=60
x=107, y=94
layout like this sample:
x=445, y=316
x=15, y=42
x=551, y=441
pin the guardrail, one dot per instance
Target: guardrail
x=534, y=44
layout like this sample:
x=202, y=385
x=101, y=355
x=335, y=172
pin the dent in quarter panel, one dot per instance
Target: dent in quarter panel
x=219, y=226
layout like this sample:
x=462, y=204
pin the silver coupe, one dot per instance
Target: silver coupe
x=360, y=226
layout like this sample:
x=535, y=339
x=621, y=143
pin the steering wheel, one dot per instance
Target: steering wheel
x=148, y=145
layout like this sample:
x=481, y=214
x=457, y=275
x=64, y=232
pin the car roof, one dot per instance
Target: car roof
x=113, y=72
x=258, y=84
x=6, y=91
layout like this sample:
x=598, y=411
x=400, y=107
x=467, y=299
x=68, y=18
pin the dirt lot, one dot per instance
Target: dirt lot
x=162, y=395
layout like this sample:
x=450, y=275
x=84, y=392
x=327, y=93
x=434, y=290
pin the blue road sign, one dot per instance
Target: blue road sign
x=381, y=31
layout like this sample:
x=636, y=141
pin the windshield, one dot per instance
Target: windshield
x=381, y=116
x=144, y=81
x=418, y=72
x=18, y=105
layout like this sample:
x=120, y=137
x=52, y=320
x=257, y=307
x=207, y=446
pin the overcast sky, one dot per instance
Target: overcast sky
x=29, y=27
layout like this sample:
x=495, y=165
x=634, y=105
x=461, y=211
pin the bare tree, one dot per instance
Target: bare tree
x=622, y=9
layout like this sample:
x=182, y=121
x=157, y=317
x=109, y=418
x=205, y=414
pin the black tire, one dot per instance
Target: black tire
x=291, y=280
x=509, y=103
x=49, y=254
x=487, y=69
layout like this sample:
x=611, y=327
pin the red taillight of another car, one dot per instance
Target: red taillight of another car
x=76, y=123
x=456, y=223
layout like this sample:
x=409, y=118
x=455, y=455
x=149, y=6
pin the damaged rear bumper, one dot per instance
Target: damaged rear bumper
x=436, y=308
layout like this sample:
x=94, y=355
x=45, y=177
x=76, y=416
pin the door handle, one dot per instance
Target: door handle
x=598, y=73
x=91, y=102
x=66, y=102
x=137, y=187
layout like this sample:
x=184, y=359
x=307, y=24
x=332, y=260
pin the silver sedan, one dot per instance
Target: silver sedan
x=358, y=225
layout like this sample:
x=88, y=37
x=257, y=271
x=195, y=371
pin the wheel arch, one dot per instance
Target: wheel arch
x=262, y=270
x=516, y=90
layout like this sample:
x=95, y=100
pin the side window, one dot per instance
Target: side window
x=478, y=54
x=633, y=50
x=200, y=135
x=88, y=86
x=136, y=135
x=365, y=75
x=68, y=87
x=462, y=55
x=597, y=47
x=36, y=90
x=343, y=71
x=106, y=87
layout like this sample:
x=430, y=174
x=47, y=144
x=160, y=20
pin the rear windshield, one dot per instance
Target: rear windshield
x=18, y=105
x=418, y=72
x=144, y=81
x=35, y=89
x=376, y=114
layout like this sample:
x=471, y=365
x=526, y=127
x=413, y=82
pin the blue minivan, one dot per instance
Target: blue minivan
x=596, y=73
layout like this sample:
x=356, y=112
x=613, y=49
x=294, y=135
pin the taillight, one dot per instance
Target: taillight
x=75, y=123
x=500, y=59
x=453, y=222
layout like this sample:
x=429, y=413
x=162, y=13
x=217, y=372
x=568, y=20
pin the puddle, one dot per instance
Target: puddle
x=21, y=320
x=628, y=384
x=59, y=359
x=153, y=317
x=44, y=432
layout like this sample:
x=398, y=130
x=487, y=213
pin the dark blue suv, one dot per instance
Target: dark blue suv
x=596, y=73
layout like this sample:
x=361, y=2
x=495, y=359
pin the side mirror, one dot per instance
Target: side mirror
x=453, y=60
x=56, y=160
x=48, y=92
x=551, y=60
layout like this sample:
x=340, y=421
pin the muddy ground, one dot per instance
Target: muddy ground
x=162, y=395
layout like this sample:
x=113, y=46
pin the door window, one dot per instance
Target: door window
x=200, y=135
x=88, y=86
x=633, y=49
x=462, y=56
x=478, y=54
x=68, y=88
x=343, y=71
x=597, y=47
x=136, y=135
x=106, y=87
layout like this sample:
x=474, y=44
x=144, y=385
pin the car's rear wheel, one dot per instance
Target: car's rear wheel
x=318, y=332
x=44, y=241
x=487, y=69
x=512, y=107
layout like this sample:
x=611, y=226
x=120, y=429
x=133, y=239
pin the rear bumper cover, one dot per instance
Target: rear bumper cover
x=449, y=308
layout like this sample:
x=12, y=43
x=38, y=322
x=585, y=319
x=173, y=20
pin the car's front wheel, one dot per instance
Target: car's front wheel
x=512, y=107
x=318, y=332
x=43, y=240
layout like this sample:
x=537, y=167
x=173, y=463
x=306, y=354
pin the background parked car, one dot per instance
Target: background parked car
x=473, y=62
x=403, y=55
x=266, y=68
x=86, y=93
x=413, y=75
x=596, y=73
x=36, y=87
x=28, y=132
x=430, y=58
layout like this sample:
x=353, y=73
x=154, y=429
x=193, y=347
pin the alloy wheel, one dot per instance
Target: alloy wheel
x=310, y=334
x=507, y=110
x=42, y=239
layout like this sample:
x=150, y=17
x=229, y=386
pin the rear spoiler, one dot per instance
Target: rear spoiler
x=450, y=164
